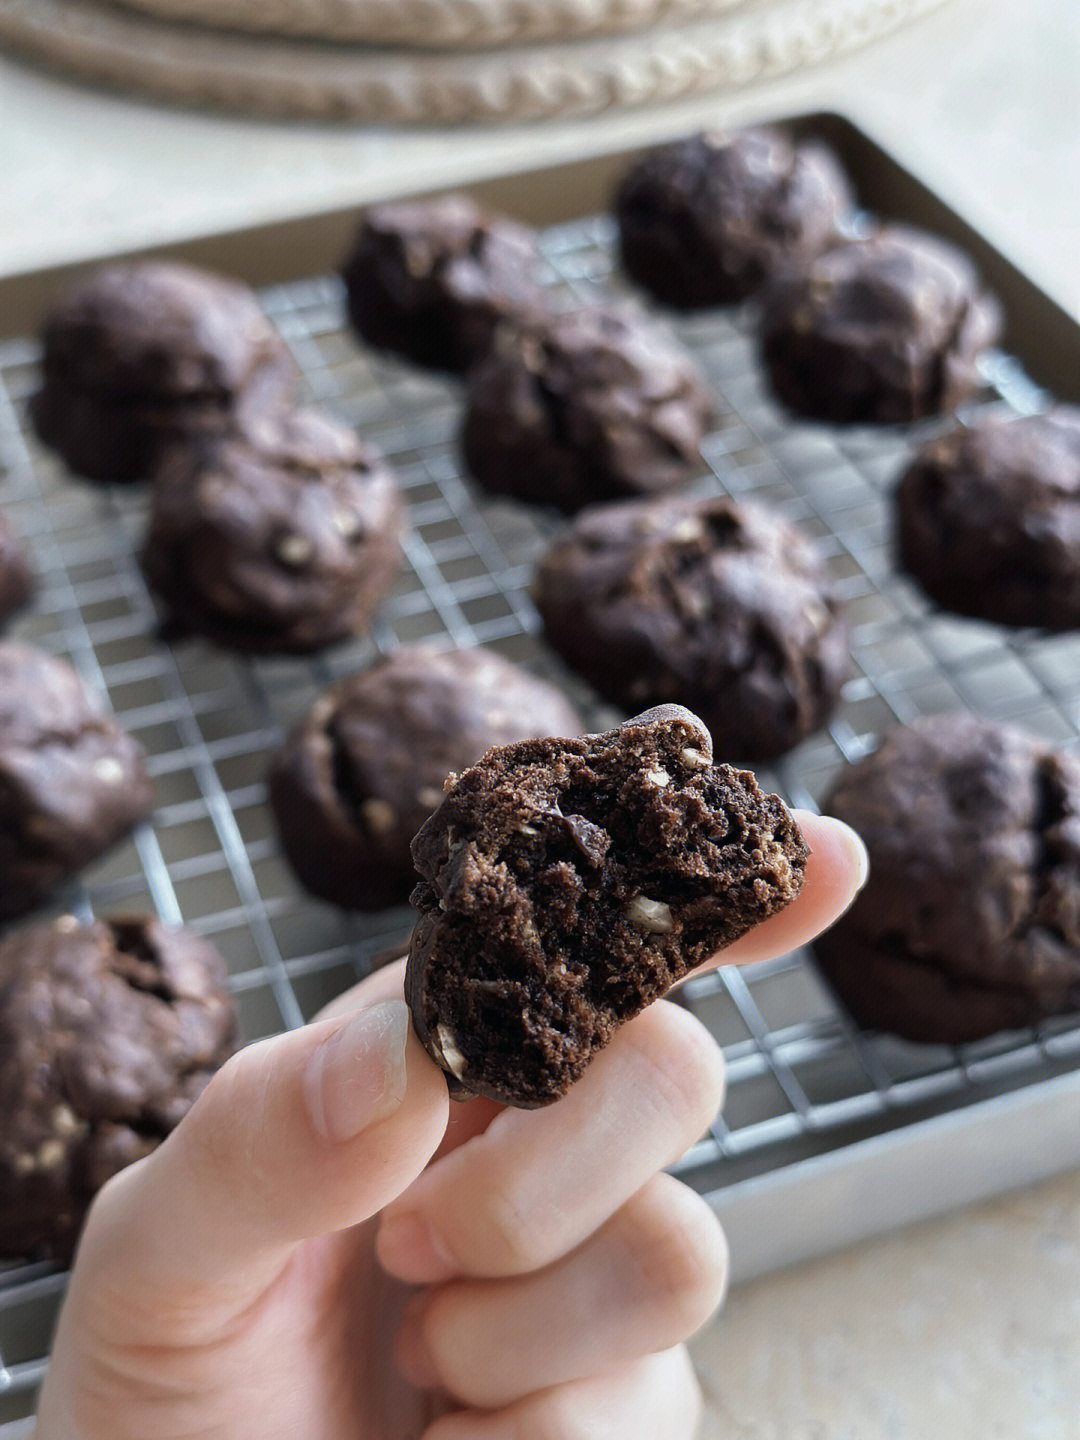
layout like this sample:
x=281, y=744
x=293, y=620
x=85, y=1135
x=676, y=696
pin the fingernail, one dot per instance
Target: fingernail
x=357, y=1075
x=407, y=1249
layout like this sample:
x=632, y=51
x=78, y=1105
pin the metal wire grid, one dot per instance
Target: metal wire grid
x=802, y=1079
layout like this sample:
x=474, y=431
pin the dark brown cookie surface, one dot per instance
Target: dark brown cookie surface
x=885, y=329
x=356, y=780
x=584, y=406
x=970, y=920
x=16, y=573
x=705, y=219
x=140, y=354
x=281, y=537
x=712, y=603
x=71, y=781
x=988, y=520
x=569, y=883
x=108, y=1033
x=431, y=279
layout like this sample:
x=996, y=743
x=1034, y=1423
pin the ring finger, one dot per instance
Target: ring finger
x=645, y=1281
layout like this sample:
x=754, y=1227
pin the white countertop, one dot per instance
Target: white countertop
x=967, y=1326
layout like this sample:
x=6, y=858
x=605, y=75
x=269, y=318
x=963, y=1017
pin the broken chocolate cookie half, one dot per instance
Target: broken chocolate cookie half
x=569, y=883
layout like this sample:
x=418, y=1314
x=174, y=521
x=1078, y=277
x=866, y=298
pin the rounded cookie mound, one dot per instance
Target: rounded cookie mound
x=140, y=354
x=431, y=279
x=705, y=219
x=108, y=1034
x=886, y=329
x=569, y=883
x=283, y=536
x=17, y=578
x=714, y=603
x=358, y=777
x=584, y=406
x=71, y=781
x=970, y=920
x=988, y=520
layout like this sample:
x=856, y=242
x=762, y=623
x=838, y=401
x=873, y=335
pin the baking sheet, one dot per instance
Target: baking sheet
x=827, y=1134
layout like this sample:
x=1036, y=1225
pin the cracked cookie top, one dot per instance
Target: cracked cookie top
x=584, y=406
x=988, y=519
x=108, y=1033
x=72, y=782
x=282, y=536
x=704, y=220
x=970, y=920
x=361, y=773
x=714, y=603
x=886, y=329
x=431, y=279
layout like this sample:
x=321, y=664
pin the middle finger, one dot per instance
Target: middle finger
x=536, y=1183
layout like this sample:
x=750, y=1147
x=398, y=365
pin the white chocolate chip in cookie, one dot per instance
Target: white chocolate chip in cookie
x=378, y=815
x=50, y=1154
x=453, y=1059
x=294, y=550
x=651, y=915
x=65, y=1122
x=693, y=758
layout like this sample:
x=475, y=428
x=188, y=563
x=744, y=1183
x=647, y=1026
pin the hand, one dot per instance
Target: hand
x=322, y=1251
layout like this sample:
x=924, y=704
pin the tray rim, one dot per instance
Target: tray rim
x=1039, y=330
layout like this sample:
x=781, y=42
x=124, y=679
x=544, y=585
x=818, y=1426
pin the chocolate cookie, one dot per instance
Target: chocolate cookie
x=705, y=219
x=988, y=520
x=584, y=406
x=282, y=536
x=712, y=602
x=108, y=1033
x=16, y=573
x=358, y=777
x=886, y=329
x=569, y=883
x=970, y=920
x=142, y=353
x=71, y=781
x=431, y=279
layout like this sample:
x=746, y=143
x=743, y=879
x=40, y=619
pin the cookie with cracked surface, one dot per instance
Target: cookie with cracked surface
x=884, y=330
x=17, y=578
x=432, y=279
x=282, y=536
x=705, y=219
x=109, y=1031
x=357, y=778
x=988, y=520
x=970, y=920
x=72, y=782
x=715, y=603
x=567, y=884
x=142, y=353
x=584, y=406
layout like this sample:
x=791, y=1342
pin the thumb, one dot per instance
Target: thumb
x=299, y=1135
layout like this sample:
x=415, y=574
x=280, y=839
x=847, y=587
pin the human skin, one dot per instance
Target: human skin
x=326, y=1248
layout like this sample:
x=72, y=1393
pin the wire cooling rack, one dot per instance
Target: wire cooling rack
x=803, y=1082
